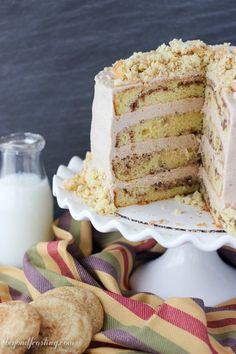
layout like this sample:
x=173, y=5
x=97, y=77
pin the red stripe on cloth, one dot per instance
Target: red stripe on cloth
x=231, y=307
x=221, y=323
x=52, y=248
x=140, y=309
x=185, y=321
x=145, y=245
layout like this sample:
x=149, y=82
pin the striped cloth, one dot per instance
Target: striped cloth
x=134, y=322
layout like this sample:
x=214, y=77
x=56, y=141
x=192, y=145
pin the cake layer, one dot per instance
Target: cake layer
x=157, y=145
x=134, y=98
x=160, y=127
x=212, y=165
x=211, y=132
x=160, y=177
x=215, y=108
x=224, y=215
x=159, y=110
x=151, y=193
x=213, y=175
x=137, y=166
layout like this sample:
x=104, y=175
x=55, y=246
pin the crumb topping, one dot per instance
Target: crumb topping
x=222, y=70
x=90, y=186
x=177, y=57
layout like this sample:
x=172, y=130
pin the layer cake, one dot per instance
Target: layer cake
x=164, y=124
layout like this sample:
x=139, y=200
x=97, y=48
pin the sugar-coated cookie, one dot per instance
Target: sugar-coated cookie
x=84, y=298
x=64, y=328
x=19, y=324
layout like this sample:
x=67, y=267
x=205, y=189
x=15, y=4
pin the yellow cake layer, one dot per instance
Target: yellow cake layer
x=210, y=131
x=161, y=127
x=135, y=98
x=137, y=166
x=213, y=175
x=144, y=195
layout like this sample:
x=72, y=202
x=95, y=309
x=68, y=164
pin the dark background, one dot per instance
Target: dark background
x=50, y=51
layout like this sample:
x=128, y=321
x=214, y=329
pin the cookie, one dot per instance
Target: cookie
x=84, y=298
x=19, y=323
x=64, y=328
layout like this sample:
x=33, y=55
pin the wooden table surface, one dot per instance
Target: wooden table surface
x=50, y=51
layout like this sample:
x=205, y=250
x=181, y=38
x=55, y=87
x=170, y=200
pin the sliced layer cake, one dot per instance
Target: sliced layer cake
x=157, y=117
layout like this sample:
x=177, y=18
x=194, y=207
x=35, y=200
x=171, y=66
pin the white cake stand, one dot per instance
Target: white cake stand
x=190, y=267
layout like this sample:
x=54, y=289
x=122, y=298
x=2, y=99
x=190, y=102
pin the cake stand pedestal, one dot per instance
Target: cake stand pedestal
x=186, y=271
x=190, y=267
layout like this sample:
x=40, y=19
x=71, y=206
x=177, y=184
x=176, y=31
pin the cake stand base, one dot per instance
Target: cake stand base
x=186, y=271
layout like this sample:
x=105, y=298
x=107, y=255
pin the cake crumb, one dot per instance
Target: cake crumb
x=178, y=211
x=195, y=199
x=152, y=222
x=203, y=224
x=90, y=185
x=162, y=221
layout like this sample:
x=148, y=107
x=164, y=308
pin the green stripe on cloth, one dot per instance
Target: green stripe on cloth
x=36, y=258
x=75, y=230
x=14, y=283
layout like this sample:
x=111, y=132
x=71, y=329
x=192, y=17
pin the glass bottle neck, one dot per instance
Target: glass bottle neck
x=21, y=153
x=21, y=162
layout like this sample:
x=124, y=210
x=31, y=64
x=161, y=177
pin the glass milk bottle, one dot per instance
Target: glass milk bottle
x=26, y=204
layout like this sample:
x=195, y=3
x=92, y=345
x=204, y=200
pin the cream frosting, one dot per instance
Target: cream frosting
x=156, y=145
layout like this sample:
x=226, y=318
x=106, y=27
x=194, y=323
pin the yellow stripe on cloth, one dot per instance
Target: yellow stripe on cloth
x=220, y=348
x=219, y=315
x=150, y=299
x=115, y=251
x=49, y=262
x=86, y=237
x=108, y=281
x=4, y=292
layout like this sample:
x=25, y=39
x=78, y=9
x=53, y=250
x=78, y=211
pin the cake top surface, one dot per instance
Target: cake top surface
x=176, y=59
